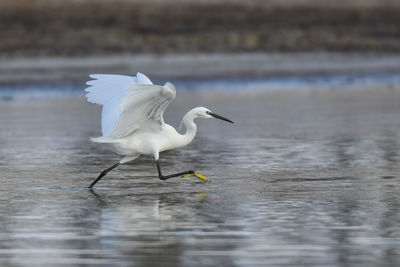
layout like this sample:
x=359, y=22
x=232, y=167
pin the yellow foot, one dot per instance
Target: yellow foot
x=198, y=175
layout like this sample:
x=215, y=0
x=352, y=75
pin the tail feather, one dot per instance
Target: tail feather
x=128, y=158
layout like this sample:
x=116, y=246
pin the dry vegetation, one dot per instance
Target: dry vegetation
x=32, y=28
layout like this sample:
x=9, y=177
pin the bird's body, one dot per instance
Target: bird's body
x=132, y=118
x=148, y=140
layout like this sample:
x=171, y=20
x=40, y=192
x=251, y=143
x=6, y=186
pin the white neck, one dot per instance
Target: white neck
x=190, y=126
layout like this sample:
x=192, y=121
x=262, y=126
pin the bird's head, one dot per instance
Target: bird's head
x=200, y=112
x=207, y=114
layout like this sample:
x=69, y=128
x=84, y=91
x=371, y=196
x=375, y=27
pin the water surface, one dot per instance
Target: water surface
x=304, y=177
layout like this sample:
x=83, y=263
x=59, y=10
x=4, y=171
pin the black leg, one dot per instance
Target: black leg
x=103, y=173
x=165, y=177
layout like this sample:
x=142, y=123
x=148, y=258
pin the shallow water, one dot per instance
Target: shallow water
x=303, y=177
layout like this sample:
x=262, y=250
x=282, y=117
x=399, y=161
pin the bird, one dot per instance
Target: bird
x=132, y=122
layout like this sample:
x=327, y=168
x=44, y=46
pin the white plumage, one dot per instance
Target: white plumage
x=109, y=90
x=132, y=122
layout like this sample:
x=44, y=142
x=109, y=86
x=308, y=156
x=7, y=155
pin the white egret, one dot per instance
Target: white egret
x=132, y=121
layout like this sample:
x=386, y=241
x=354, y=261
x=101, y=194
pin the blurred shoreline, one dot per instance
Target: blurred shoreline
x=54, y=41
x=64, y=70
x=90, y=28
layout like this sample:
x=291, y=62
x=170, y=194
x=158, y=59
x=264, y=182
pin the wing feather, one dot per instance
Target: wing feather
x=128, y=102
x=141, y=104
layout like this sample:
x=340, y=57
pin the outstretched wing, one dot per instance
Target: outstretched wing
x=128, y=102
x=143, y=104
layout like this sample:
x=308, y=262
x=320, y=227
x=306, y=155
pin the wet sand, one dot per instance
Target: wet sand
x=303, y=178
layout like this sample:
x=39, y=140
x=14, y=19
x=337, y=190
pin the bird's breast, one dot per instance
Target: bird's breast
x=147, y=142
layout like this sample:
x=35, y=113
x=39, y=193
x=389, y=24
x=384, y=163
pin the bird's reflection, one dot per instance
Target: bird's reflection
x=150, y=227
x=197, y=196
x=201, y=197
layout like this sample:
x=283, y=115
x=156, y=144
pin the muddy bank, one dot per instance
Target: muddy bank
x=66, y=28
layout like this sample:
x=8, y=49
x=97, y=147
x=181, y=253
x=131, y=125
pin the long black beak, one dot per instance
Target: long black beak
x=219, y=117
